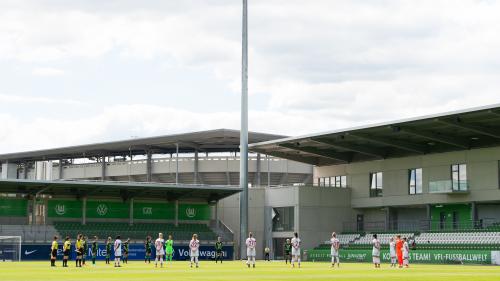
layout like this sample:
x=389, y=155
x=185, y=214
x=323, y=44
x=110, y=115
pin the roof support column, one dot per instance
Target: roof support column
x=268, y=171
x=131, y=212
x=473, y=214
x=387, y=218
x=149, y=166
x=216, y=211
x=33, y=211
x=61, y=176
x=228, y=177
x=258, y=167
x=176, y=163
x=25, y=165
x=428, y=208
x=45, y=210
x=196, y=167
x=176, y=217
x=28, y=214
x=84, y=210
x=103, y=168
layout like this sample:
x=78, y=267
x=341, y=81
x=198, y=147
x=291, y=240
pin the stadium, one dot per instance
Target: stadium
x=433, y=179
x=408, y=199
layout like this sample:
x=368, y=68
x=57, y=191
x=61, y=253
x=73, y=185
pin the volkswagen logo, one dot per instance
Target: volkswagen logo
x=60, y=209
x=190, y=212
x=102, y=209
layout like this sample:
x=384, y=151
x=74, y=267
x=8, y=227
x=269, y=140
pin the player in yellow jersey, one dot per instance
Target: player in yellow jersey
x=79, y=250
x=53, y=252
x=66, y=250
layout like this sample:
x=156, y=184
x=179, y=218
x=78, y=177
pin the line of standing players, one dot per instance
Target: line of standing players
x=164, y=250
x=399, y=250
x=121, y=250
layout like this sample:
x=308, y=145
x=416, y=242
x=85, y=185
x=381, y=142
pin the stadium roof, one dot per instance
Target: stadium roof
x=124, y=190
x=220, y=140
x=452, y=131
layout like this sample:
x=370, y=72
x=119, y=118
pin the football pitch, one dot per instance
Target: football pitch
x=237, y=271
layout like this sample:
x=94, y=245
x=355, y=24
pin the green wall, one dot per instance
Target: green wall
x=154, y=211
x=108, y=210
x=194, y=212
x=10, y=207
x=64, y=209
x=121, y=210
x=463, y=211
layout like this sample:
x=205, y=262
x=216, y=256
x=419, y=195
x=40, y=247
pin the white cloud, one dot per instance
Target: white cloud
x=125, y=121
x=316, y=65
x=5, y=99
x=47, y=71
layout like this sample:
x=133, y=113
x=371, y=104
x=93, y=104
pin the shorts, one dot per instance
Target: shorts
x=54, y=253
x=148, y=254
x=334, y=253
x=296, y=252
x=169, y=251
x=66, y=253
x=194, y=253
x=251, y=252
x=218, y=253
x=376, y=260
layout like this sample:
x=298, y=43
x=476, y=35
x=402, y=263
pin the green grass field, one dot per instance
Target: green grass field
x=237, y=271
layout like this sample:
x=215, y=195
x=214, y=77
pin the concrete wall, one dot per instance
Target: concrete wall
x=322, y=210
x=482, y=170
x=488, y=212
x=229, y=213
x=318, y=212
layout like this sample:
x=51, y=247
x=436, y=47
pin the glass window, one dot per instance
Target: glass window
x=376, y=184
x=459, y=177
x=283, y=219
x=343, y=181
x=415, y=181
x=338, y=181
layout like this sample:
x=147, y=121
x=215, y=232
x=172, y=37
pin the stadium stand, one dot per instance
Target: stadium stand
x=458, y=240
x=471, y=240
x=138, y=231
x=384, y=238
x=345, y=239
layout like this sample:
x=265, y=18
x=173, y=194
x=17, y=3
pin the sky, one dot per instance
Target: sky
x=85, y=71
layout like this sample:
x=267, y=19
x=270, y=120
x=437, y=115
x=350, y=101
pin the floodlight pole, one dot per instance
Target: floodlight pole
x=244, y=134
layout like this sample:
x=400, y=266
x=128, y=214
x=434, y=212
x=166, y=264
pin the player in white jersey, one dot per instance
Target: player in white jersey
x=194, y=250
x=118, y=251
x=406, y=253
x=335, y=244
x=376, y=251
x=392, y=252
x=295, y=249
x=160, y=249
x=251, y=244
